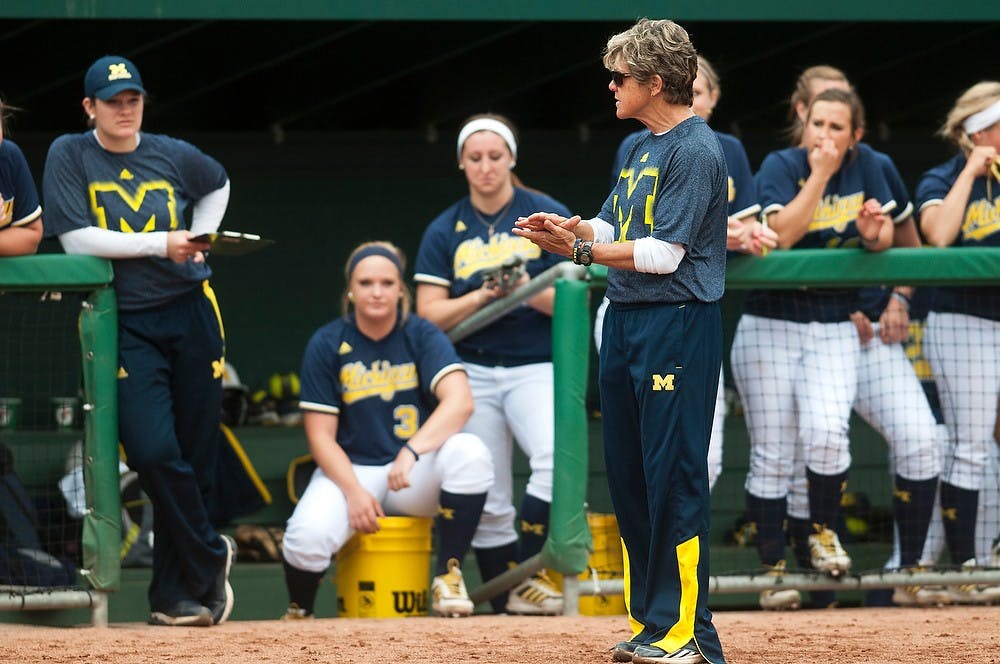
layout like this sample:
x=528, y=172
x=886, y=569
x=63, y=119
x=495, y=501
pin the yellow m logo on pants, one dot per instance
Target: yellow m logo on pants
x=661, y=383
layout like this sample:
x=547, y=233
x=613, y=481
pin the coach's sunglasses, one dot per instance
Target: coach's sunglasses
x=618, y=78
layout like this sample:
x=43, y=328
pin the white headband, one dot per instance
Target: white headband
x=983, y=119
x=487, y=124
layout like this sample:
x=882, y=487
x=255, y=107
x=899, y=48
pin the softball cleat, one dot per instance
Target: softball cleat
x=827, y=554
x=450, y=598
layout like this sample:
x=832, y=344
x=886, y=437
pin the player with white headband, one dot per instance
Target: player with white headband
x=957, y=204
x=510, y=361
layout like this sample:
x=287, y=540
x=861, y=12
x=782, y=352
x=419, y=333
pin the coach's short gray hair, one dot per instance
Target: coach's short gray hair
x=657, y=48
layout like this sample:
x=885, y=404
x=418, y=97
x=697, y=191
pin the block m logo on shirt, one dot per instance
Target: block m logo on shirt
x=153, y=207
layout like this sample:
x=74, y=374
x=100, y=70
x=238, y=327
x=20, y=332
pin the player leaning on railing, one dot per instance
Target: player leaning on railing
x=796, y=352
x=118, y=193
x=900, y=413
x=957, y=204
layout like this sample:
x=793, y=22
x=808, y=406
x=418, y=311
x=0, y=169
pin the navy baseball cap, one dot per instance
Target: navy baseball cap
x=110, y=75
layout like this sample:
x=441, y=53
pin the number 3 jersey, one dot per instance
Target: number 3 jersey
x=149, y=189
x=382, y=391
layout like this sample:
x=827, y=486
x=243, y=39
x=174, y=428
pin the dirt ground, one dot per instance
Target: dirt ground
x=844, y=636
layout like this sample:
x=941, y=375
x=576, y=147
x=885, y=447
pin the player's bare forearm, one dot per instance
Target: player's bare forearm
x=941, y=224
x=544, y=302
x=362, y=507
x=436, y=304
x=792, y=221
x=894, y=323
x=321, y=432
x=21, y=240
x=904, y=234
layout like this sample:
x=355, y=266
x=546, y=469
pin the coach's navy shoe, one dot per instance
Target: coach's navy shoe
x=186, y=613
x=622, y=651
x=220, y=598
x=689, y=654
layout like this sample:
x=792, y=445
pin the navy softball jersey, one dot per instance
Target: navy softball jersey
x=382, y=391
x=460, y=245
x=659, y=370
x=980, y=228
x=143, y=191
x=779, y=180
x=17, y=189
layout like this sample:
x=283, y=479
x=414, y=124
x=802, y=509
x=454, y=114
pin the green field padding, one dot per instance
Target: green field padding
x=567, y=548
x=102, y=523
x=54, y=272
x=837, y=268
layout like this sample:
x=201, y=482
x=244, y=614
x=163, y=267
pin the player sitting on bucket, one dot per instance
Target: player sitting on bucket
x=369, y=382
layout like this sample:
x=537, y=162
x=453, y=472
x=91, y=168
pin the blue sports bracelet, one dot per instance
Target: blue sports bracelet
x=412, y=451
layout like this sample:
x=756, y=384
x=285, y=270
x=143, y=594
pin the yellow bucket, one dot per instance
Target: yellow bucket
x=606, y=562
x=386, y=574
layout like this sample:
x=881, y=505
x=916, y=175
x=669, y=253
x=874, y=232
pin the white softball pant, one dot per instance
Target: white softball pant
x=718, y=423
x=798, y=382
x=892, y=401
x=319, y=526
x=964, y=352
x=512, y=403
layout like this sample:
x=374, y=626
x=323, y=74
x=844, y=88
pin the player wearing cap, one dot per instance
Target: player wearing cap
x=20, y=212
x=122, y=194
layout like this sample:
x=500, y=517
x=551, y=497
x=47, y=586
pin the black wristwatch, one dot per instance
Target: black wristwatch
x=583, y=252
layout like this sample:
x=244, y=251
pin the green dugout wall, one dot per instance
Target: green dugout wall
x=890, y=10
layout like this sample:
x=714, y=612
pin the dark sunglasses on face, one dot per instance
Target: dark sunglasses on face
x=618, y=78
